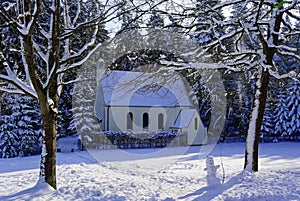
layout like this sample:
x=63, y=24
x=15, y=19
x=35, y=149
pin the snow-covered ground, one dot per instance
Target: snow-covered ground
x=147, y=175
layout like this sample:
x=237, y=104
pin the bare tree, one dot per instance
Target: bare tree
x=48, y=34
x=247, y=42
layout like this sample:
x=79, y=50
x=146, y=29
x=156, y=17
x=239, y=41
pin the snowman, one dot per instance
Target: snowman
x=211, y=169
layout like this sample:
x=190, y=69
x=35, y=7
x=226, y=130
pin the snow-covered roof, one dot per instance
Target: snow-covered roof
x=184, y=118
x=127, y=88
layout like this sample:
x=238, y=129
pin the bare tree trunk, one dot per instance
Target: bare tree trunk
x=49, y=98
x=48, y=156
x=259, y=103
x=48, y=111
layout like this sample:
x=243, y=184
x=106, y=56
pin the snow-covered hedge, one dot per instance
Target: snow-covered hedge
x=127, y=140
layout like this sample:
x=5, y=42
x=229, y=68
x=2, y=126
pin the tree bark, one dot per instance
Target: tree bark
x=259, y=103
x=251, y=155
x=48, y=157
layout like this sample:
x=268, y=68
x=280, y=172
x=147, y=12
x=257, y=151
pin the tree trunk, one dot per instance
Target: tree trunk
x=48, y=98
x=259, y=103
x=48, y=156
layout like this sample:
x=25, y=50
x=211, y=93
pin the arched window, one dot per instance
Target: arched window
x=160, y=122
x=196, y=123
x=145, y=121
x=129, y=121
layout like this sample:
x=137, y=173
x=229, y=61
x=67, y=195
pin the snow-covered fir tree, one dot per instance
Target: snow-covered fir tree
x=20, y=130
x=293, y=107
x=65, y=125
x=280, y=111
x=237, y=115
x=286, y=110
x=29, y=126
x=233, y=82
x=9, y=141
x=84, y=94
x=65, y=114
x=286, y=113
x=268, y=125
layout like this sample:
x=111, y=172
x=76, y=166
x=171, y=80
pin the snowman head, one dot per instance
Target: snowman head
x=210, y=161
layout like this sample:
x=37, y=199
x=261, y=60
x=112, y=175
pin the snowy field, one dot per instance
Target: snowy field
x=152, y=174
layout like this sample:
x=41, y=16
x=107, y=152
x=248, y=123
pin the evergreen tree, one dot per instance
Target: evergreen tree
x=246, y=97
x=8, y=138
x=202, y=93
x=233, y=84
x=268, y=125
x=9, y=141
x=129, y=20
x=84, y=95
x=204, y=34
x=281, y=112
x=20, y=130
x=293, y=108
x=28, y=126
x=155, y=21
x=64, y=126
x=286, y=111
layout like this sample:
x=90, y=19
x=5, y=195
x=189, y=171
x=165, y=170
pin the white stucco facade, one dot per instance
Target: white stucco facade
x=117, y=118
x=188, y=121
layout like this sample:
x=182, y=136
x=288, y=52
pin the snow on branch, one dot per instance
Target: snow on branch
x=39, y=51
x=22, y=28
x=101, y=18
x=84, y=49
x=11, y=78
x=291, y=74
x=227, y=3
x=12, y=91
x=77, y=13
x=9, y=21
x=28, y=26
x=288, y=53
x=64, y=68
x=22, y=88
x=79, y=27
x=290, y=6
x=293, y=15
x=222, y=38
x=197, y=65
